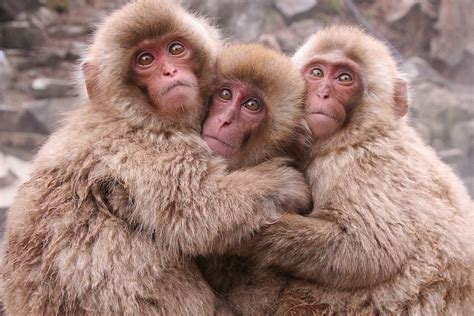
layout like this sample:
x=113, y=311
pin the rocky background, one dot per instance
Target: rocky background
x=41, y=41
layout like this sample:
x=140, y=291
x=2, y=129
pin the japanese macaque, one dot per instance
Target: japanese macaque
x=391, y=229
x=256, y=112
x=124, y=196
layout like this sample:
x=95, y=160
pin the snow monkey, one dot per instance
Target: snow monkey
x=391, y=229
x=256, y=112
x=126, y=194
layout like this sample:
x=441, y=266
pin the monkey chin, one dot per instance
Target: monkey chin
x=219, y=147
x=322, y=125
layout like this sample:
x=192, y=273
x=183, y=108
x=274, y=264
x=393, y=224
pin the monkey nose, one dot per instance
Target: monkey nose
x=168, y=69
x=323, y=93
x=226, y=117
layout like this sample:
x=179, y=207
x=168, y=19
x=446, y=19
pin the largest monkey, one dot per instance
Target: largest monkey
x=391, y=230
x=126, y=193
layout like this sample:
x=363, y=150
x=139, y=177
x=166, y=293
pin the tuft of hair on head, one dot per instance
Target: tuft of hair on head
x=282, y=85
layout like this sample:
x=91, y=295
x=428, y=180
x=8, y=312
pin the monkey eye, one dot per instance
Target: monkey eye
x=345, y=77
x=252, y=105
x=176, y=48
x=145, y=59
x=317, y=72
x=225, y=94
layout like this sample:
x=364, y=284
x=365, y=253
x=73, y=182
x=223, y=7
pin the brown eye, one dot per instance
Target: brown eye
x=317, y=72
x=145, y=59
x=176, y=48
x=345, y=77
x=252, y=105
x=225, y=94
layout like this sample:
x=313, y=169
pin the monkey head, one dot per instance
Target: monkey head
x=353, y=82
x=256, y=107
x=152, y=60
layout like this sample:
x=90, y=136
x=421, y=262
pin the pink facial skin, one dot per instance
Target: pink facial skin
x=165, y=69
x=235, y=114
x=334, y=88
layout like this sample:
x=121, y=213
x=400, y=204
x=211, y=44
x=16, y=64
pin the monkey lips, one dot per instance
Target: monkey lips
x=220, y=147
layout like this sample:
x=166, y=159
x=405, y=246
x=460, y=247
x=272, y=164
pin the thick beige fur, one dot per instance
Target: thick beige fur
x=391, y=232
x=121, y=199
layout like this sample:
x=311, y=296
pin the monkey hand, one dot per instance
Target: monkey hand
x=291, y=192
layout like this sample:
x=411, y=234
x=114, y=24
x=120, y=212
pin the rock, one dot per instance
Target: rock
x=20, y=120
x=51, y=88
x=305, y=28
x=269, y=40
x=239, y=19
x=43, y=18
x=452, y=32
x=291, y=8
x=451, y=156
x=19, y=34
x=462, y=136
x=469, y=182
x=9, y=9
x=49, y=112
x=20, y=170
x=417, y=67
x=293, y=36
x=6, y=74
x=68, y=30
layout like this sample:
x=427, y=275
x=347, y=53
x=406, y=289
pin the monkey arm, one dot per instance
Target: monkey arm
x=326, y=250
x=193, y=206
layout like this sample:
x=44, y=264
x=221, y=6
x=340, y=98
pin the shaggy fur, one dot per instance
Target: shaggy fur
x=121, y=199
x=391, y=231
x=283, y=89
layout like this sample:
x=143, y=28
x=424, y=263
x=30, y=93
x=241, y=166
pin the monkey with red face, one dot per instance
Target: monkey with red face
x=391, y=230
x=126, y=193
x=256, y=112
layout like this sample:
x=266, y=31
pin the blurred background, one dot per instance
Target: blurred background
x=41, y=41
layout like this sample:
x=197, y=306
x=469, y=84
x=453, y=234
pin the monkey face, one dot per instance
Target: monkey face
x=236, y=112
x=166, y=70
x=334, y=90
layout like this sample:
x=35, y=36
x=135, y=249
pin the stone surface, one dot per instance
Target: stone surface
x=51, y=88
x=6, y=75
x=20, y=120
x=9, y=9
x=19, y=34
x=291, y=8
x=50, y=112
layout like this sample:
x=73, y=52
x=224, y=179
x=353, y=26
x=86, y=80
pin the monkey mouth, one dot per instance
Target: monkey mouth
x=324, y=114
x=178, y=83
x=220, y=141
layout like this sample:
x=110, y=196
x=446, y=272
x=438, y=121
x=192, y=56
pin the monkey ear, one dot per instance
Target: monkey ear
x=401, y=97
x=90, y=73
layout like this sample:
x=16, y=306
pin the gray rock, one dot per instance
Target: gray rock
x=51, y=88
x=9, y=9
x=269, y=40
x=291, y=8
x=417, y=67
x=451, y=156
x=51, y=111
x=43, y=17
x=20, y=120
x=6, y=74
x=462, y=135
x=68, y=30
x=469, y=182
x=19, y=34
